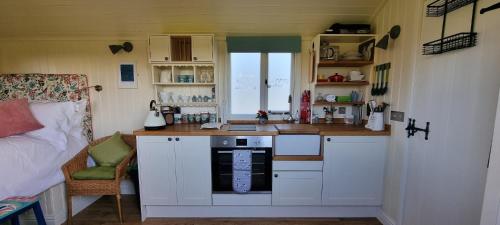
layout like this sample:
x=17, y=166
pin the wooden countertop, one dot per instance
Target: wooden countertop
x=349, y=130
x=194, y=130
x=297, y=129
x=268, y=130
x=330, y=130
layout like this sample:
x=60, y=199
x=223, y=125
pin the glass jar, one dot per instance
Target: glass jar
x=205, y=117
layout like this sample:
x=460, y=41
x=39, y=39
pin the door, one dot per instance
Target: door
x=296, y=188
x=353, y=170
x=491, y=203
x=193, y=168
x=159, y=48
x=457, y=93
x=156, y=159
x=202, y=48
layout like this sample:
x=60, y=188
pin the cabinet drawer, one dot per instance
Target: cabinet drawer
x=297, y=145
x=298, y=165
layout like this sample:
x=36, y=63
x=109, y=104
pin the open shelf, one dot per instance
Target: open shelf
x=192, y=104
x=347, y=83
x=347, y=38
x=185, y=84
x=345, y=63
x=325, y=103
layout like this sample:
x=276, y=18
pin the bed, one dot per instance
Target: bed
x=33, y=165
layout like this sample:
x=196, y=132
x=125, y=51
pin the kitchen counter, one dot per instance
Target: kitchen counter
x=330, y=130
x=268, y=130
x=194, y=130
x=349, y=130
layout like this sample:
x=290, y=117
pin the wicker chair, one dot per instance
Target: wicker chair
x=96, y=187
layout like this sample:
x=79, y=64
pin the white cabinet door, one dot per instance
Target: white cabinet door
x=353, y=171
x=202, y=48
x=296, y=188
x=193, y=169
x=156, y=158
x=159, y=48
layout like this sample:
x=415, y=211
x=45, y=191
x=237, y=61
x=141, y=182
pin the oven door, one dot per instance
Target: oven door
x=222, y=169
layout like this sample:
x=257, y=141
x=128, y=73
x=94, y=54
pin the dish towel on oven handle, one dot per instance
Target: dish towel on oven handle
x=242, y=171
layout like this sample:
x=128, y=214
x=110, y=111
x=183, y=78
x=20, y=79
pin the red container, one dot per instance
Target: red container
x=336, y=78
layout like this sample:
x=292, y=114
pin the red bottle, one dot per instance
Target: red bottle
x=305, y=107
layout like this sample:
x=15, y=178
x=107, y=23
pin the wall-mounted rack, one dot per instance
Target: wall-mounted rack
x=455, y=41
x=440, y=7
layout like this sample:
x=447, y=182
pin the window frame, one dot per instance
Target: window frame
x=264, y=75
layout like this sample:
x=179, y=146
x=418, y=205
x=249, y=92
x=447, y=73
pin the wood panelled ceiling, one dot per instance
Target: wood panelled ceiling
x=138, y=18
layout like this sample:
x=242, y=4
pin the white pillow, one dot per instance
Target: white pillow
x=80, y=108
x=56, y=117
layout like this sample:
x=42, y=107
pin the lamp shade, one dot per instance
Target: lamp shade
x=383, y=43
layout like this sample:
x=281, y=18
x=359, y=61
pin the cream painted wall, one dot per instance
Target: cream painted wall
x=401, y=53
x=112, y=109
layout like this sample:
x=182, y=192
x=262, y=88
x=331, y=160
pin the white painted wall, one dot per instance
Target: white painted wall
x=401, y=53
x=113, y=108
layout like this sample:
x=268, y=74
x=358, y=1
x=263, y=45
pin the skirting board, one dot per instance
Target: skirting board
x=257, y=211
x=385, y=219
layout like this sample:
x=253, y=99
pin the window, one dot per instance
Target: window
x=260, y=81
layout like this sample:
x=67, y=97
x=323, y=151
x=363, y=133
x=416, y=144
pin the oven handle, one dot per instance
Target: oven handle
x=253, y=152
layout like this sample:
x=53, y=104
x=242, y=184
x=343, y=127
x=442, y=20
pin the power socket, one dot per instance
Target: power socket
x=397, y=116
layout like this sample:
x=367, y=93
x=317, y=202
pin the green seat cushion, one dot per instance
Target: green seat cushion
x=95, y=173
x=110, y=152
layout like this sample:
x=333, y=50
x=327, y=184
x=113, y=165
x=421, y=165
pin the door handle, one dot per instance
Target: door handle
x=166, y=58
x=177, y=139
x=253, y=152
x=328, y=139
x=195, y=58
x=169, y=139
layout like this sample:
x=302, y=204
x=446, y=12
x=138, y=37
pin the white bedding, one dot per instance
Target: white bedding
x=29, y=166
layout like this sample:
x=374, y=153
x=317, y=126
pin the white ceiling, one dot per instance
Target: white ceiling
x=138, y=18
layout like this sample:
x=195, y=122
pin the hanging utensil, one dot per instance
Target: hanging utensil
x=379, y=80
x=382, y=76
x=386, y=85
x=377, y=77
x=373, y=84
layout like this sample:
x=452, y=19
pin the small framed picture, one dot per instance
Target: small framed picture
x=127, y=76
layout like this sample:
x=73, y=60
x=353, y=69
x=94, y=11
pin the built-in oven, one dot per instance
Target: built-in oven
x=222, y=162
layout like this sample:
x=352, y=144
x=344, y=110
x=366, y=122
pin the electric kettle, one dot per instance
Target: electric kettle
x=154, y=120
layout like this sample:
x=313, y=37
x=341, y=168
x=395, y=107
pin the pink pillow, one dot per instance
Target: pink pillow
x=16, y=118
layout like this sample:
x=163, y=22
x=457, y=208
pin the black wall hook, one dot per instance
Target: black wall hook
x=412, y=130
x=493, y=7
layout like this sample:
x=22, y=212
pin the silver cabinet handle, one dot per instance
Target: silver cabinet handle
x=253, y=152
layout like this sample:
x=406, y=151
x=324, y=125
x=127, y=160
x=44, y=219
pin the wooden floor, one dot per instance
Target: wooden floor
x=103, y=212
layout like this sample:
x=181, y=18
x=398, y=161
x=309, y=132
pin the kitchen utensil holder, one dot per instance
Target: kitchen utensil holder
x=455, y=41
x=412, y=130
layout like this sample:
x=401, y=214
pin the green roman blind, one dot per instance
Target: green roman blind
x=264, y=44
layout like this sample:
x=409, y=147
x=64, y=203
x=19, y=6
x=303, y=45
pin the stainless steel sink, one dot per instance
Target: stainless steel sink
x=242, y=128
